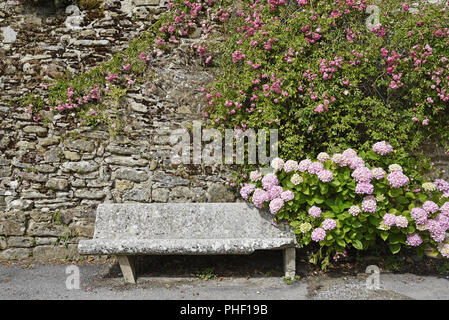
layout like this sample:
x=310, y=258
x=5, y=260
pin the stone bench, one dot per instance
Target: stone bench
x=131, y=229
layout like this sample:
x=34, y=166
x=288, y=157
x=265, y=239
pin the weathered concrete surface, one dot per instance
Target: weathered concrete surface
x=181, y=228
x=97, y=282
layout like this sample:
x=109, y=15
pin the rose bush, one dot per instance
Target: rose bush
x=317, y=72
x=353, y=200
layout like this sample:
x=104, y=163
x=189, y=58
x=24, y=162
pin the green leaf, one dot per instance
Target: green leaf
x=341, y=242
x=394, y=248
x=357, y=244
x=402, y=200
x=372, y=155
x=397, y=238
x=384, y=235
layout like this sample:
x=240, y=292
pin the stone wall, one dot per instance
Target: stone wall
x=54, y=174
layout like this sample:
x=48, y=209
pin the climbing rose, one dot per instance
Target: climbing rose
x=318, y=234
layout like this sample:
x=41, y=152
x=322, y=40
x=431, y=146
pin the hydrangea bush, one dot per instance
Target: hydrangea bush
x=353, y=200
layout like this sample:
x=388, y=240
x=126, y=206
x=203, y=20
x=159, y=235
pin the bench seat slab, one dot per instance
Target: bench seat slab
x=181, y=246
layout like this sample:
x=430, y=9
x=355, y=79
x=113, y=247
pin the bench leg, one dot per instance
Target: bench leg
x=128, y=268
x=290, y=262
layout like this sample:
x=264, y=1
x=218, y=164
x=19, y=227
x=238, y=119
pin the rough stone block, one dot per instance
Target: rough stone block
x=12, y=223
x=15, y=254
x=50, y=252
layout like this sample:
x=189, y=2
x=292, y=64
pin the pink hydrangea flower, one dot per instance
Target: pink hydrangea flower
x=356, y=162
x=347, y=156
x=274, y=192
x=246, y=190
x=304, y=165
x=318, y=234
x=369, y=204
x=364, y=188
x=444, y=209
x=354, y=210
x=323, y=156
x=389, y=219
x=378, y=173
x=397, y=179
x=287, y=195
x=443, y=220
x=325, y=176
x=329, y=224
x=315, y=212
x=259, y=197
x=419, y=215
x=315, y=167
x=430, y=207
x=277, y=164
x=414, y=239
x=269, y=180
x=442, y=185
x=290, y=165
x=276, y=205
x=382, y=148
x=436, y=231
x=362, y=174
x=401, y=222
x=255, y=175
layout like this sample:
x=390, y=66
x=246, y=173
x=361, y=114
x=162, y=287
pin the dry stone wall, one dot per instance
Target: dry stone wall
x=54, y=174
